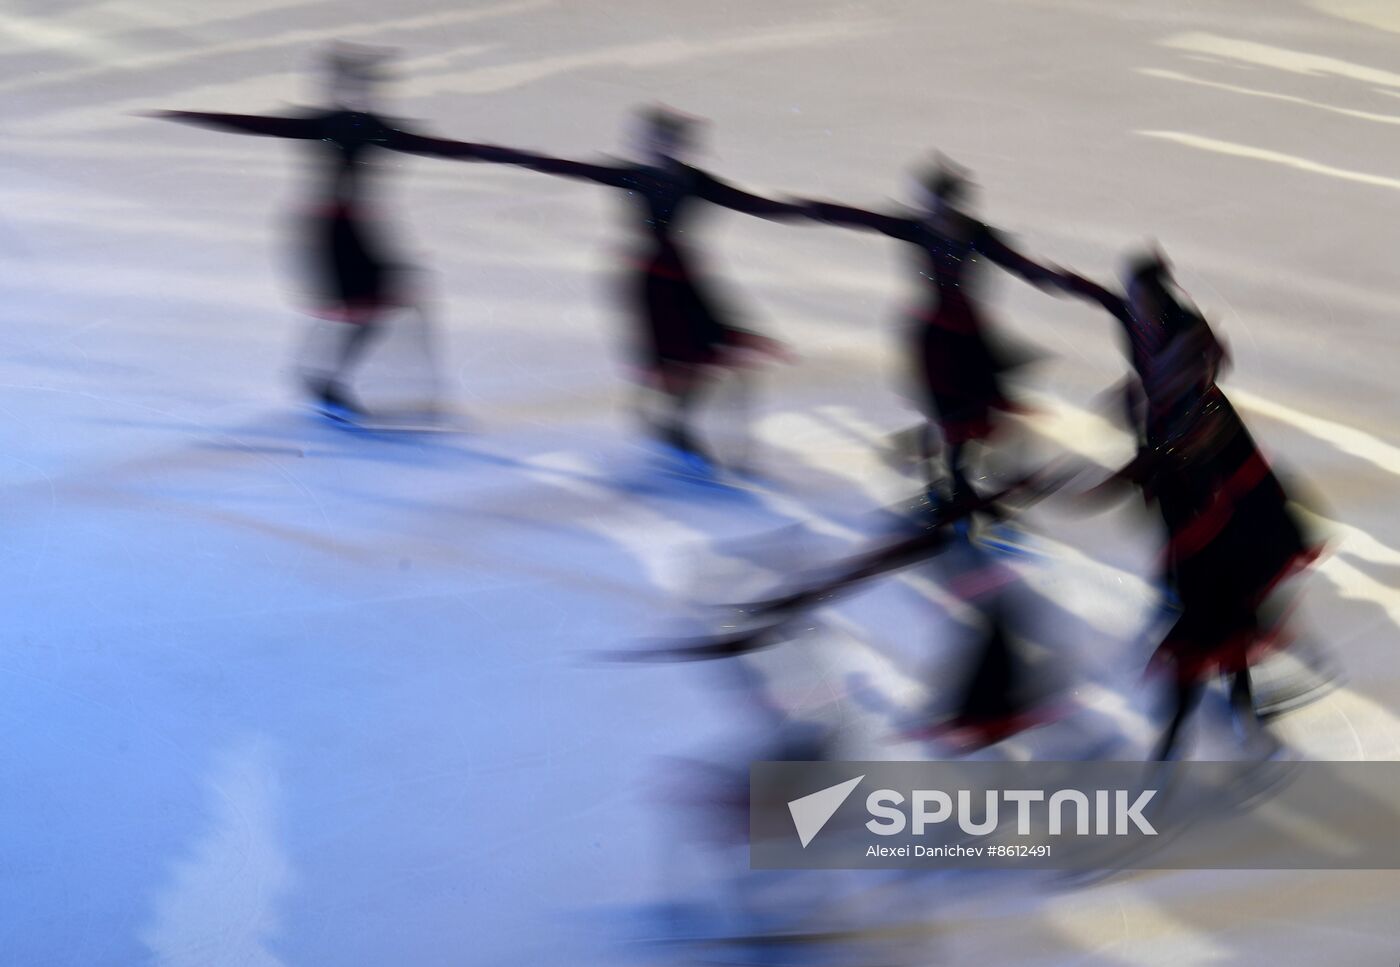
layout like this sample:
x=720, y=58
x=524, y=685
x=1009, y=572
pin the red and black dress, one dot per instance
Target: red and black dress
x=957, y=363
x=681, y=321
x=352, y=273
x=1231, y=536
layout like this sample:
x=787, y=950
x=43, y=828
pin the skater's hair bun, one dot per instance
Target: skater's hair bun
x=946, y=180
x=1148, y=267
x=666, y=122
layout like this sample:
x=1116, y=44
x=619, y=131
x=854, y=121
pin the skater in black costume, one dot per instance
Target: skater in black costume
x=957, y=363
x=683, y=331
x=356, y=279
x=1231, y=536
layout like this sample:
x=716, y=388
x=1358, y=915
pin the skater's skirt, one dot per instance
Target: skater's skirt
x=350, y=273
x=679, y=319
x=1219, y=629
x=958, y=373
x=1207, y=642
x=1232, y=539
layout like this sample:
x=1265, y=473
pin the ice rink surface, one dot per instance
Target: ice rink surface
x=273, y=693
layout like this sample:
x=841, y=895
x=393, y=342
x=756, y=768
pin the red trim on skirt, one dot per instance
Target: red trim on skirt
x=1192, y=660
x=357, y=313
x=1208, y=524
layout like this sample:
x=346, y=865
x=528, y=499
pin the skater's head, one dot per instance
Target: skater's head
x=944, y=186
x=354, y=72
x=1148, y=282
x=664, y=135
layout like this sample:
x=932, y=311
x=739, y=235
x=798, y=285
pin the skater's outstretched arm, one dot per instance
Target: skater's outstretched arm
x=994, y=245
x=273, y=126
x=849, y=217
x=429, y=146
x=726, y=195
x=1076, y=284
x=612, y=175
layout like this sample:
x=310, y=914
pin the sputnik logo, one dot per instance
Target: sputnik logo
x=812, y=812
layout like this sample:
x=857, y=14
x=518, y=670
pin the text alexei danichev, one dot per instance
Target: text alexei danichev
x=973, y=851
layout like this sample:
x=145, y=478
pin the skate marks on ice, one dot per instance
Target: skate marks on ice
x=131, y=51
x=1254, y=55
x=1168, y=75
x=1274, y=157
x=640, y=56
x=1280, y=58
x=430, y=76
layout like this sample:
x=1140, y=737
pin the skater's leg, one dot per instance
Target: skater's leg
x=957, y=471
x=1242, y=695
x=1186, y=698
x=356, y=339
x=1246, y=717
x=686, y=391
x=353, y=337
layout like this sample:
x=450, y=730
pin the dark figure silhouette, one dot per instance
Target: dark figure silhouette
x=683, y=330
x=355, y=278
x=1231, y=537
x=956, y=361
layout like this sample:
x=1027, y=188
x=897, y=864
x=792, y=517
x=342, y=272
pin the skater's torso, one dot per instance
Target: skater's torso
x=1174, y=359
x=949, y=264
x=664, y=199
x=1225, y=512
x=346, y=141
x=951, y=254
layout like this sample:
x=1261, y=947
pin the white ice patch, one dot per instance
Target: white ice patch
x=221, y=903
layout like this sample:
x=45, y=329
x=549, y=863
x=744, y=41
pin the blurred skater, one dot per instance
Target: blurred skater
x=1231, y=537
x=356, y=278
x=684, y=333
x=957, y=363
